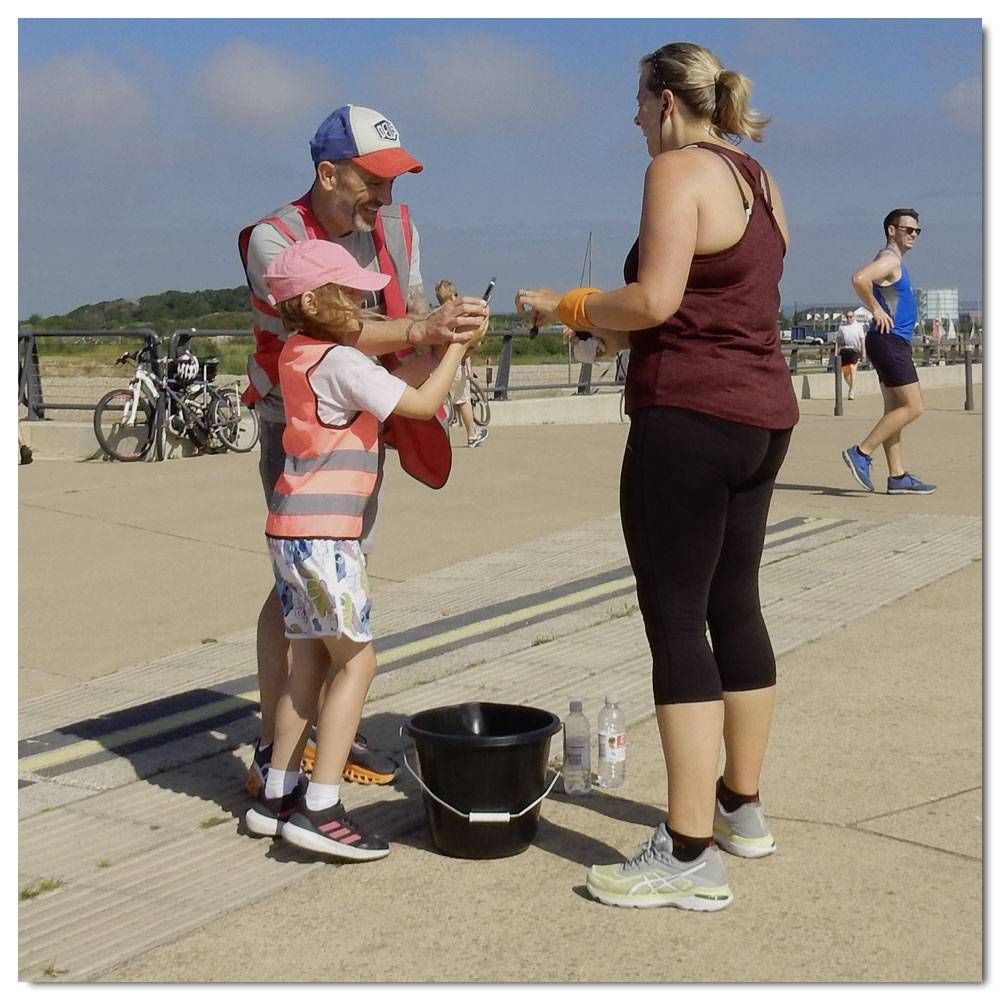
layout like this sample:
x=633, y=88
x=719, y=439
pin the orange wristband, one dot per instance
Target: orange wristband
x=572, y=307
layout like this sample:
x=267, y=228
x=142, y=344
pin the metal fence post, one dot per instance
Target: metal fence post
x=583, y=384
x=503, y=372
x=29, y=379
x=969, y=401
x=838, y=392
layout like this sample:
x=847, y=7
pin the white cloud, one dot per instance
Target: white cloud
x=248, y=84
x=474, y=82
x=964, y=104
x=73, y=95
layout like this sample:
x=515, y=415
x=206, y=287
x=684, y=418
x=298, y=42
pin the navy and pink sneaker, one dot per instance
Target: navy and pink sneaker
x=331, y=831
x=266, y=817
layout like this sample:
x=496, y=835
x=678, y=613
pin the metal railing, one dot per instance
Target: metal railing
x=29, y=378
x=584, y=385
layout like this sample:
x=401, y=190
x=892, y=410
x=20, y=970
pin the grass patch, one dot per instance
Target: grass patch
x=207, y=824
x=46, y=885
x=104, y=863
x=52, y=970
x=542, y=639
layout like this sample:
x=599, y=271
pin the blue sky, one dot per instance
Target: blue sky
x=146, y=145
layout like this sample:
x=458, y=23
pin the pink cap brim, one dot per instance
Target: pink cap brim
x=389, y=163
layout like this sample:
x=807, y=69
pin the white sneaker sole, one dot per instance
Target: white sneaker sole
x=703, y=903
x=263, y=826
x=743, y=850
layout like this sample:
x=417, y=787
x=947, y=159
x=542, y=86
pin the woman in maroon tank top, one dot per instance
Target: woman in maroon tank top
x=712, y=407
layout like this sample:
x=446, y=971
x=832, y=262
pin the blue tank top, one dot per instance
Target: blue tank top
x=900, y=303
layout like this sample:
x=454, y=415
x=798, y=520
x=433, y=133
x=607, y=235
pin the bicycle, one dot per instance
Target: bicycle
x=130, y=421
x=480, y=407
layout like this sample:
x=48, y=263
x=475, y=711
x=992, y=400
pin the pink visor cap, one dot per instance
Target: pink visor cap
x=310, y=264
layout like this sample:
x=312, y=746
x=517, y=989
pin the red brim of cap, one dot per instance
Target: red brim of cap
x=389, y=163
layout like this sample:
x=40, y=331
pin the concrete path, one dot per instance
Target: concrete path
x=137, y=697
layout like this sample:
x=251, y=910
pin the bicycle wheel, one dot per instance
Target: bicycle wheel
x=480, y=406
x=124, y=426
x=195, y=405
x=450, y=411
x=236, y=424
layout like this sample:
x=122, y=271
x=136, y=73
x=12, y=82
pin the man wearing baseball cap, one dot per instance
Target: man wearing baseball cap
x=357, y=155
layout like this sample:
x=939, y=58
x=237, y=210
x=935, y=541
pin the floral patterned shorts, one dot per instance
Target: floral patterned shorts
x=323, y=587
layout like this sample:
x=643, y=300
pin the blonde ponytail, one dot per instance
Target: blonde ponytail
x=719, y=96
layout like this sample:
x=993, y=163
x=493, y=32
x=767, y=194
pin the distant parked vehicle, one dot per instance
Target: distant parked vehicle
x=803, y=335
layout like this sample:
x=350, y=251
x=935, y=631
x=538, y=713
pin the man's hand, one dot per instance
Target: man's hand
x=456, y=322
x=882, y=320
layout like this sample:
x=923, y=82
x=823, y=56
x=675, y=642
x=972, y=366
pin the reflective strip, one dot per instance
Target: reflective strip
x=353, y=459
x=331, y=482
x=312, y=504
x=259, y=378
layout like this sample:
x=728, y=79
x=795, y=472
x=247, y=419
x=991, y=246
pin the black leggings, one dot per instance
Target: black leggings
x=695, y=492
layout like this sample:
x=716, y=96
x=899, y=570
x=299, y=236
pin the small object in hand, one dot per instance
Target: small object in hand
x=533, y=332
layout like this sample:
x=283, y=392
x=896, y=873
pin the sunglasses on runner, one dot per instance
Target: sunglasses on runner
x=909, y=230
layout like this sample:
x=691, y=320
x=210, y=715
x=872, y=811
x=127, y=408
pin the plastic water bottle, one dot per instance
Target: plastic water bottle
x=611, y=744
x=576, y=751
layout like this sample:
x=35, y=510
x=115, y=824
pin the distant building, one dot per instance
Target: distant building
x=937, y=303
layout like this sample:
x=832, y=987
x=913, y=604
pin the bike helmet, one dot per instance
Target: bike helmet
x=186, y=367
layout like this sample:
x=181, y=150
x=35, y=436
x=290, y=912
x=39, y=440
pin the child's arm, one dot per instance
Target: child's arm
x=423, y=401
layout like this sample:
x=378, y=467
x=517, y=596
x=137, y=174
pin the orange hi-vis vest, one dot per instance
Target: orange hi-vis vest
x=330, y=472
x=424, y=446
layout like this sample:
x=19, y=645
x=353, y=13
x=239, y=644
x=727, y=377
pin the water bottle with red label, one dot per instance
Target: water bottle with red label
x=611, y=744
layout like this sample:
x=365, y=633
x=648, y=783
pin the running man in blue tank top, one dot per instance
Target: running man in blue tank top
x=885, y=290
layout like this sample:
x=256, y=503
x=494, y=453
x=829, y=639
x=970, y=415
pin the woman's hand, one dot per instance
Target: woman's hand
x=543, y=303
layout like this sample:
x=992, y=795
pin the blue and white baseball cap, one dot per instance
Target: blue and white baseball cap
x=367, y=138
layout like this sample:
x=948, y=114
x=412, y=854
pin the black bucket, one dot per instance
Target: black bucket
x=482, y=769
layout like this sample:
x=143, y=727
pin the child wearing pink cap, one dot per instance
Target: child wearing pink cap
x=335, y=401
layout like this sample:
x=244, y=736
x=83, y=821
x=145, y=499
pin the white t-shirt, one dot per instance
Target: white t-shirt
x=849, y=335
x=347, y=381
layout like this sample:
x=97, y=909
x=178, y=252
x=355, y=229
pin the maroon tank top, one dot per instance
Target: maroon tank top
x=720, y=353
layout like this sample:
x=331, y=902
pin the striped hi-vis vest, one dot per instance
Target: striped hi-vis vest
x=424, y=446
x=330, y=472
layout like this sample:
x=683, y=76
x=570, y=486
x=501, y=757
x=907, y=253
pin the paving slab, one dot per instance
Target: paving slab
x=131, y=773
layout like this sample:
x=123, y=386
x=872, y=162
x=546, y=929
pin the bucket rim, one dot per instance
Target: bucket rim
x=544, y=731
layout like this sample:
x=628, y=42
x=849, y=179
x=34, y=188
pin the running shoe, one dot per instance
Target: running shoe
x=743, y=831
x=654, y=877
x=907, y=484
x=266, y=817
x=331, y=831
x=364, y=765
x=479, y=437
x=259, y=766
x=860, y=466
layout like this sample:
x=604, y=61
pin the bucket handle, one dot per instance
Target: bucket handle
x=480, y=816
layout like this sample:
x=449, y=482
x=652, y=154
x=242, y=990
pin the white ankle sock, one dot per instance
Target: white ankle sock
x=280, y=783
x=321, y=796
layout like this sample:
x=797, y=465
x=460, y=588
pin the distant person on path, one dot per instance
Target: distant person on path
x=335, y=400
x=460, y=392
x=356, y=155
x=851, y=347
x=712, y=410
x=885, y=290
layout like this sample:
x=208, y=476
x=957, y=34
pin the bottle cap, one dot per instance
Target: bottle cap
x=576, y=706
x=611, y=699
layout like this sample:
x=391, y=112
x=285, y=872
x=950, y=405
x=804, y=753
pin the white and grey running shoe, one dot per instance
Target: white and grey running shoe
x=743, y=831
x=654, y=877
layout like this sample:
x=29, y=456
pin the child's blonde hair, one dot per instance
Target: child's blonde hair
x=335, y=312
x=445, y=290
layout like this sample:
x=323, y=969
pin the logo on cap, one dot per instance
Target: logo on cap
x=386, y=130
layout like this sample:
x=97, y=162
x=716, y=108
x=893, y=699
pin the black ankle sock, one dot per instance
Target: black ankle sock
x=860, y=452
x=688, y=848
x=730, y=800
